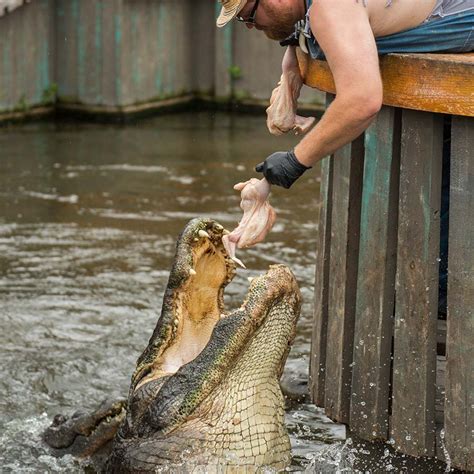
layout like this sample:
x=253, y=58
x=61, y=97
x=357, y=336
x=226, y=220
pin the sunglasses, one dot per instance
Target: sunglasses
x=251, y=19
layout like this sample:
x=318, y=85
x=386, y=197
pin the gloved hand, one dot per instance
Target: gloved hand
x=281, y=168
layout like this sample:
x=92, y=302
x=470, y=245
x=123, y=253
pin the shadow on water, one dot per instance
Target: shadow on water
x=89, y=216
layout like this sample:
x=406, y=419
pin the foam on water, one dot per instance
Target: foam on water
x=22, y=450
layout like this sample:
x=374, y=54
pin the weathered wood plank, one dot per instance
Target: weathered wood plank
x=317, y=362
x=376, y=278
x=67, y=17
x=345, y=222
x=223, y=60
x=433, y=82
x=416, y=305
x=110, y=70
x=459, y=412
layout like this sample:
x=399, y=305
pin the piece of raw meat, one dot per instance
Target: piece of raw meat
x=257, y=220
x=281, y=114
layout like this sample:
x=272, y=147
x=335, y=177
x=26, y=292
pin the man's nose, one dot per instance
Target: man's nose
x=249, y=25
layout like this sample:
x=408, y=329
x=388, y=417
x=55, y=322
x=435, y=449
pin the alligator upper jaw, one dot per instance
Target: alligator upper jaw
x=193, y=302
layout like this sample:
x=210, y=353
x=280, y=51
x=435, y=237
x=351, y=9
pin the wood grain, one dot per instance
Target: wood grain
x=442, y=83
x=459, y=412
x=376, y=278
x=345, y=223
x=321, y=284
x=416, y=305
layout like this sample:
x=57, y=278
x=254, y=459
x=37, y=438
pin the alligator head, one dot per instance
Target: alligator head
x=205, y=393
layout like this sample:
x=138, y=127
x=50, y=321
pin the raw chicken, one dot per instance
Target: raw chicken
x=257, y=220
x=281, y=115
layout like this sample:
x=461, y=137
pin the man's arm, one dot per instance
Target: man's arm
x=343, y=31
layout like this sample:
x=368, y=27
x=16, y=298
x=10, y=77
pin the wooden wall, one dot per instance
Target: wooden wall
x=116, y=55
x=26, y=52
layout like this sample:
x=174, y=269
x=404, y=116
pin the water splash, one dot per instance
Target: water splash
x=442, y=435
x=22, y=450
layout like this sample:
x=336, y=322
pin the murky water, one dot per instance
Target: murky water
x=89, y=216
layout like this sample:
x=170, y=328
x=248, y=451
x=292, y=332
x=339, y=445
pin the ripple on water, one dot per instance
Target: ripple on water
x=87, y=237
x=22, y=451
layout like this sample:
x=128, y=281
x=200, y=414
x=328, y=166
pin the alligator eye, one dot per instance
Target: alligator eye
x=59, y=419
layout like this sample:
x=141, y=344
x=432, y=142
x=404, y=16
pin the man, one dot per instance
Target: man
x=351, y=34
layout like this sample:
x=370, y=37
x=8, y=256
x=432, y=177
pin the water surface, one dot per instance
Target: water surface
x=89, y=216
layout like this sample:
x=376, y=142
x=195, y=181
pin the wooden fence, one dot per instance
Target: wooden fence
x=374, y=361
x=116, y=57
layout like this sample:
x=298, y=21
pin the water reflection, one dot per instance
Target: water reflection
x=89, y=216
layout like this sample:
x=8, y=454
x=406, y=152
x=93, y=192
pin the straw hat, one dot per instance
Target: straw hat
x=230, y=8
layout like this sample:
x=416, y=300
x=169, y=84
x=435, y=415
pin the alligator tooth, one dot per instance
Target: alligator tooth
x=195, y=239
x=192, y=272
x=203, y=233
x=250, y=279
x=222, y=316
x=226, y=232
x=176, y=322
x=218, y=227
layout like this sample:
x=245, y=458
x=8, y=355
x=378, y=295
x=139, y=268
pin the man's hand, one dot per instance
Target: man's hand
x=281, y=168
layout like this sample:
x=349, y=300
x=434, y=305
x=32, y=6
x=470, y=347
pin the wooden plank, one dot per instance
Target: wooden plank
x=432, y=82
x=110, y=79
x=376, y=278
x=439, y=407
x=223, y=60
x=345, y=222
x=317, y=361
x=416, y=305
x=459, y=412
x=66, y=61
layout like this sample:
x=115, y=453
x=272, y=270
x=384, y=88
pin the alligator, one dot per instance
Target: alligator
x=205, y=394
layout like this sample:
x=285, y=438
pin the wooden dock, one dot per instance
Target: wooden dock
x=374, y=363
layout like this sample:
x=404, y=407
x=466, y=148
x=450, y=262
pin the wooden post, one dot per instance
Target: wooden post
x=317, y=363
x=416, y=306
x=459, y=411
x=376, y=278
x=346, y=198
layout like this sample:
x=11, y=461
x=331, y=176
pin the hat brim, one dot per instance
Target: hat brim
x=228, y=14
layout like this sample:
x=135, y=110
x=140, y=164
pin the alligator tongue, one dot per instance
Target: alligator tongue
x=257, y=220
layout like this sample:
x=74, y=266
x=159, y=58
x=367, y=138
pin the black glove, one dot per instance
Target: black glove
x=281, y=168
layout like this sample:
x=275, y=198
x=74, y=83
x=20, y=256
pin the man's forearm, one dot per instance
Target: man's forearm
x=342, y=122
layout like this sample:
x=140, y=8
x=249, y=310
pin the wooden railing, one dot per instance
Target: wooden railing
x=374, y=362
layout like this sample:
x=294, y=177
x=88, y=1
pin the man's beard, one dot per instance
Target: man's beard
x=278, y=35
x=283, y=24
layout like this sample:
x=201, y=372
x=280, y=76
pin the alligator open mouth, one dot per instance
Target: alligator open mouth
x=193, y=302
